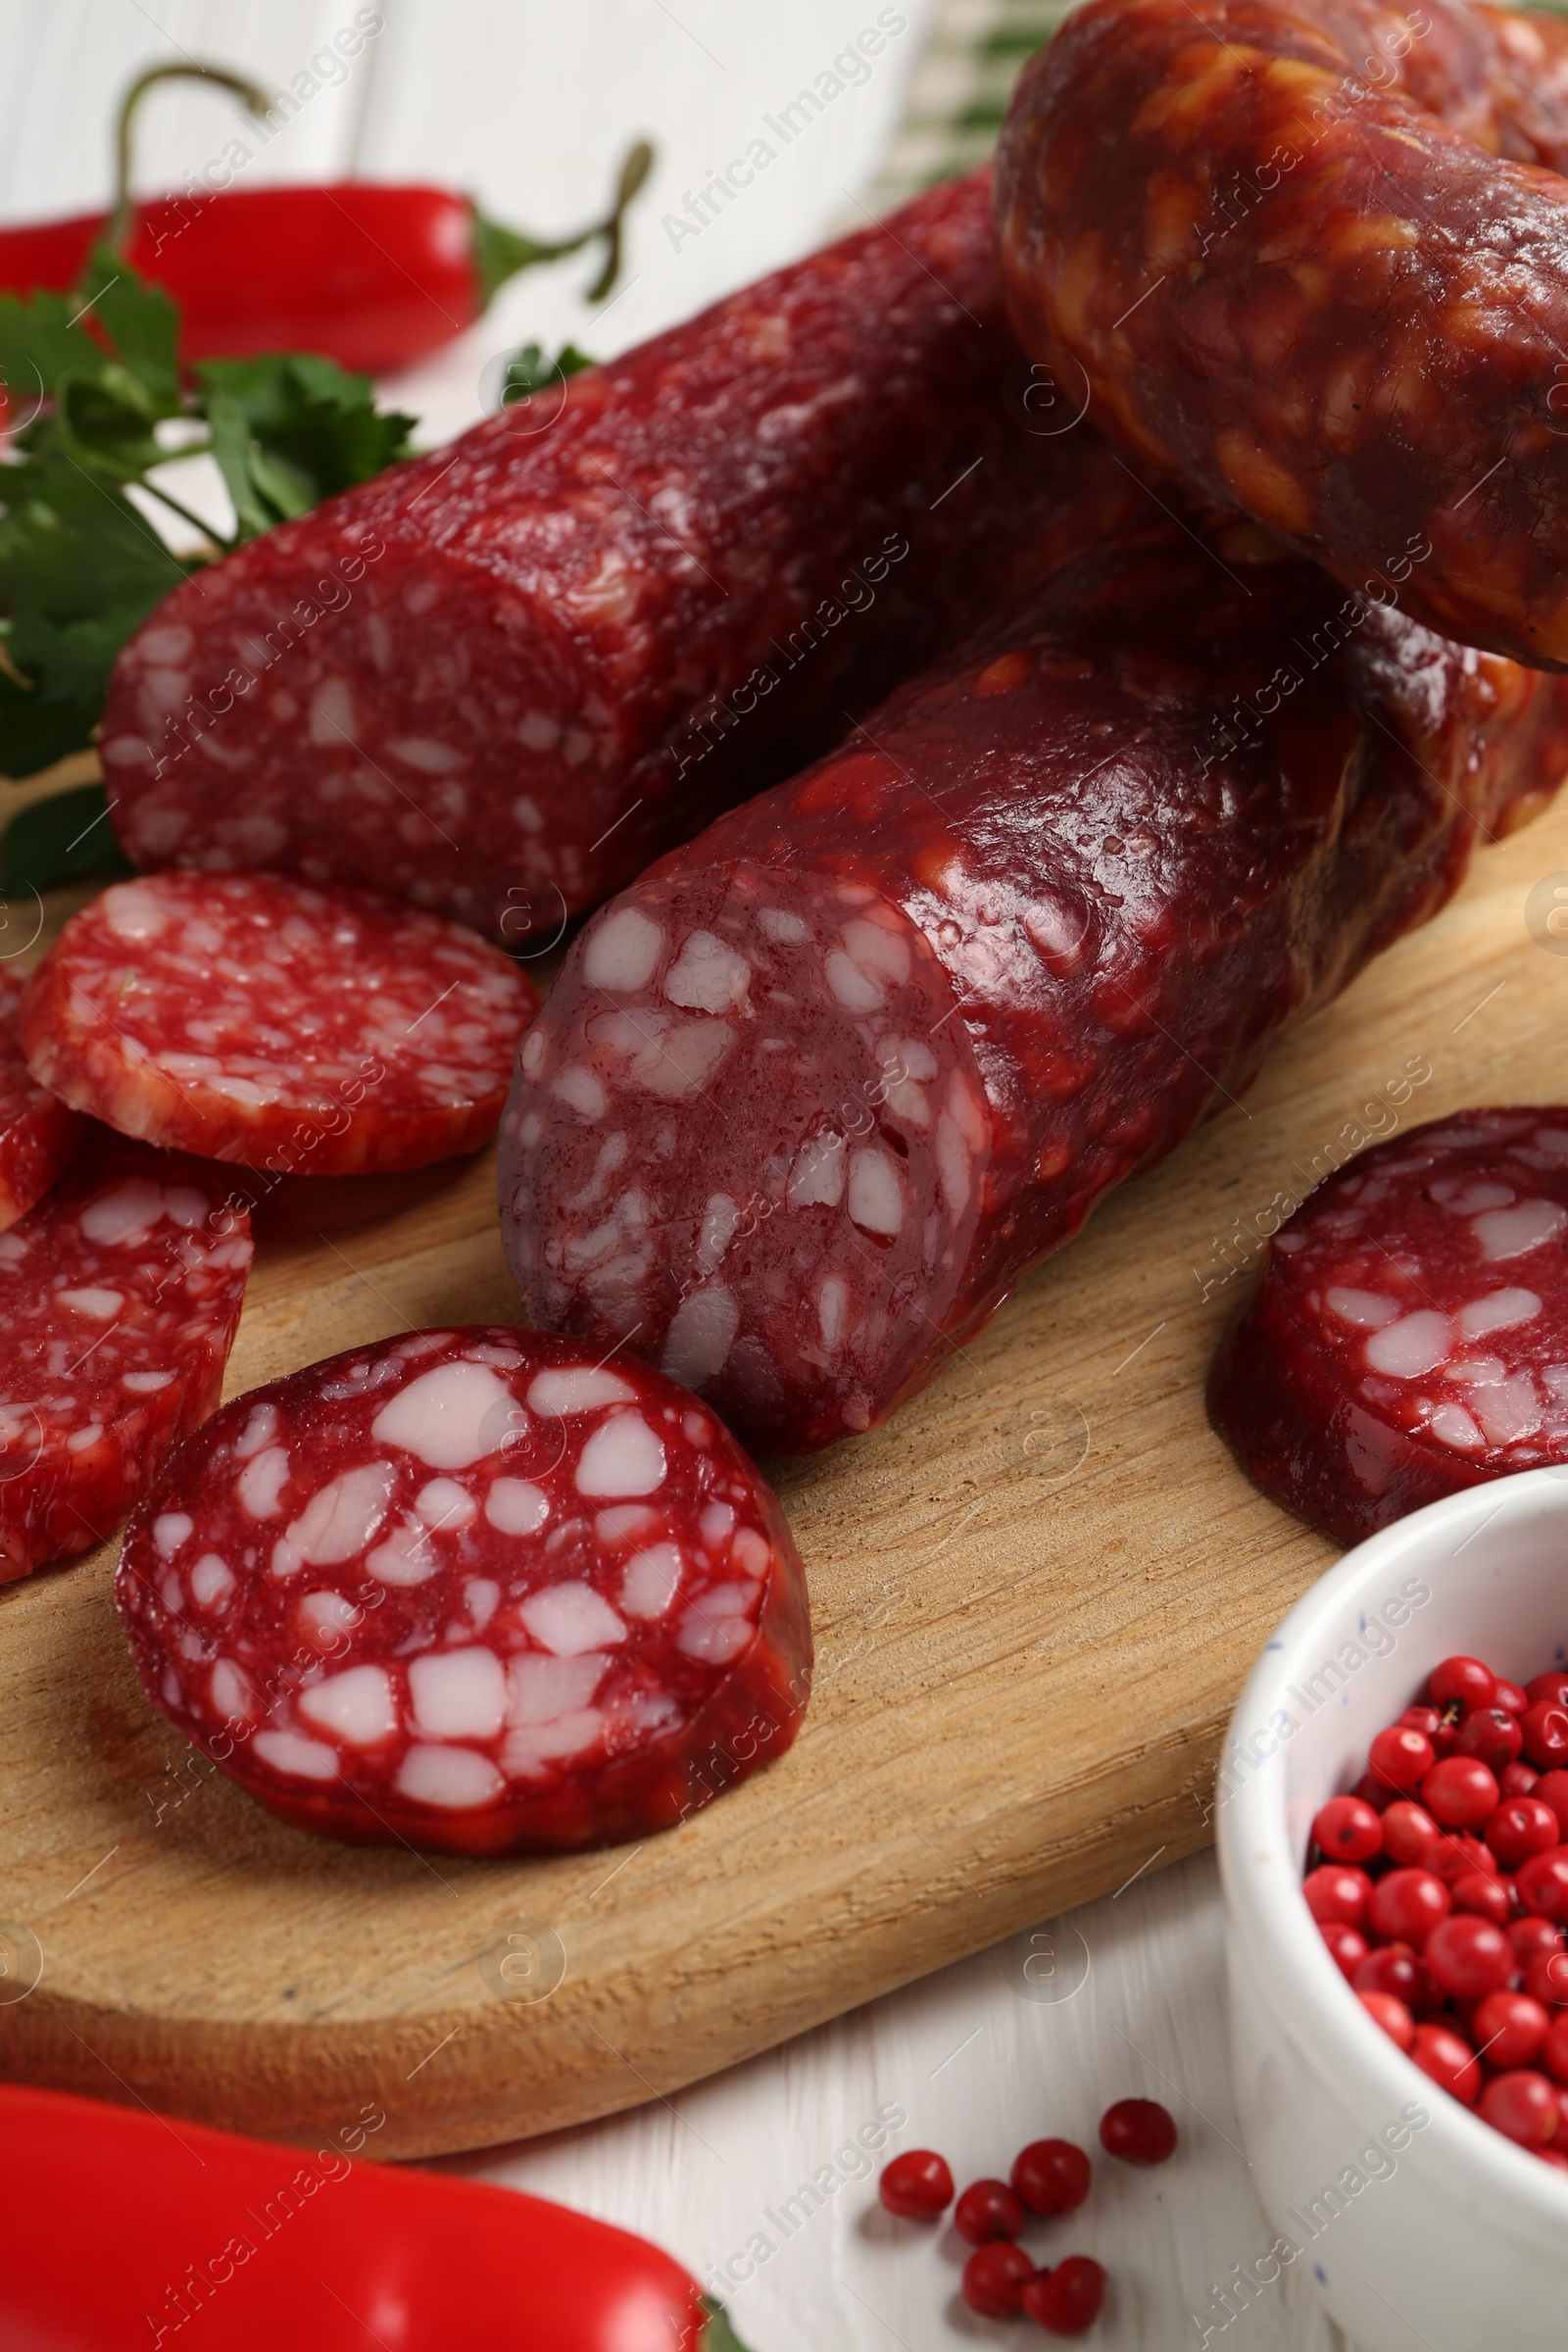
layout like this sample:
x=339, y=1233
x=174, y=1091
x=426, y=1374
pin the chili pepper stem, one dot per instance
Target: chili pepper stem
x=499, y=253
x=255, y=98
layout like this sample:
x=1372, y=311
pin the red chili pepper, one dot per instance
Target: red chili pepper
x=128, y=2229
x=372, y=277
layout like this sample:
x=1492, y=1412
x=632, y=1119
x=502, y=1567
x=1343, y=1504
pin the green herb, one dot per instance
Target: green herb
x=89, y=380
x=718, y=2334
x=530, y=369
x=66, y=838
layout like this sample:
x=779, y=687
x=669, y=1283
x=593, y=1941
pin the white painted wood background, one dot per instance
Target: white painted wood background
x=528, y=105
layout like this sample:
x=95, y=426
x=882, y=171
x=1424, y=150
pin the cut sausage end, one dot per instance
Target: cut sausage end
x=748, y=1137
x=1409, y=1335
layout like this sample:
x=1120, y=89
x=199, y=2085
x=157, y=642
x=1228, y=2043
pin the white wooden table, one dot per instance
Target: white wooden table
x=528, y=105
x=1123, y=1998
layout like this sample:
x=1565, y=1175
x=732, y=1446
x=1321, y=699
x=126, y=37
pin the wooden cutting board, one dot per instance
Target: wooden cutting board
x=1036, y=1594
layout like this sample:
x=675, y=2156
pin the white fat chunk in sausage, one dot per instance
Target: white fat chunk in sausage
x=359, y=1707
x=569, y=1619
x=455, y=1779
x=259, y=1431
x=720, y=1216
x=515, y=1506
x=856, y=991
x=80, y=1440
x=1508, y=1409
x=458, y=1693
x=332, y=719
x=184, y=1204
x=752, y=1554
x=259, y=1485
x=623, y=1522
x=624, y=950
x=816, y=1180
x=1510, y=1232
x=167, y=643
x=1414, y=1345
x=146, y=1384
x=531, y=1751
x=292, y=1753
x=531, y=1053
x=231, y=1693
x=612, y=1153
x=1367, y=1311
x=170, y=1529
x=132, y=913
x=96, y=1304
x=442, y=1502
x=876, y=947
x=1464, y=1196
x=581, y=1088
x=342, y=1516
x=539, y=1689
x=212, y=1581
x=831, y=1300
x=779, y=924
x=450, y=1417
x=677, y=1062
x=124, y=1214
x=953, y=1172
x=1453, y=1425
x=579, y=1389
x=1499, y=1310
x=593, y=1248
x=431, y=758
x=876, y=1190
x=406, y=1557
x=327, y=1616
x=651, y=1581
x=716, y=1523
x=481, y=1597
x=713, y=1640
x=708, y=975
x=623, y=1457
x=701, y=1331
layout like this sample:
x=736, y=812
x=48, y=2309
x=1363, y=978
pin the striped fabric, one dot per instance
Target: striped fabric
x=959, y=91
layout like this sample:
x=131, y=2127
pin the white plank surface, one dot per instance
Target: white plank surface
x=1126, y=2001
x=528, y=105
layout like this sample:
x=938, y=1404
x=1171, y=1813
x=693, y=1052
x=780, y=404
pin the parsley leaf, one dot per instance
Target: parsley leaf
x=66, y=838
x=289, y=429
x=81, y=564
x=530, y=369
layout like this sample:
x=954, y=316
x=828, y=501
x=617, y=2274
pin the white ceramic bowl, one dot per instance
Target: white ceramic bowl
x=1436, y=2234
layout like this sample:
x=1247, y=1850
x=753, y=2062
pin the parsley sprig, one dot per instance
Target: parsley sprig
x=93, y=388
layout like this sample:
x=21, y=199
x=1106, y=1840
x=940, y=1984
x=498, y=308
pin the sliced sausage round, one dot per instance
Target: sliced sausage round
x=1409, y=1333
x=478, y=1590
x=256, y=1019
x=120, y=1295
x=39, y=1133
